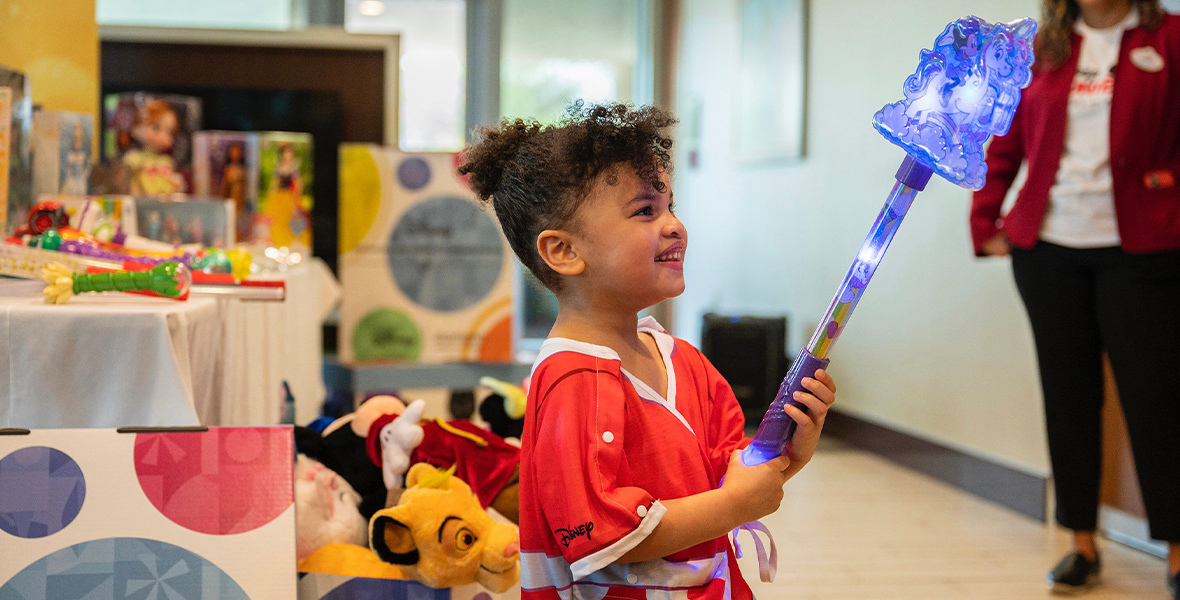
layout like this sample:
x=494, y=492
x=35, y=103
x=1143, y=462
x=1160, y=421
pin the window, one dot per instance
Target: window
x=224, y=14
x=546, y=62
x=432, y=70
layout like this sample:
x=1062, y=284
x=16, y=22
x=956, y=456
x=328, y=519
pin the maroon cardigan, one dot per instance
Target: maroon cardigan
x=1144, y=149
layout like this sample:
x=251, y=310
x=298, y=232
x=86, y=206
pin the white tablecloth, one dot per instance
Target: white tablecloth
x=106, y=361
x=115, y=361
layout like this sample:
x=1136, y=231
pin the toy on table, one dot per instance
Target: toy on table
x=43, y=216
x=440, y=535
x=169, y=280
x=72, y=241
x=963, y=91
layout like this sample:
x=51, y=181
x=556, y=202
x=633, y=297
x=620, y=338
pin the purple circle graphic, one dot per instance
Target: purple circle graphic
x=41, y=491
x=413, y=173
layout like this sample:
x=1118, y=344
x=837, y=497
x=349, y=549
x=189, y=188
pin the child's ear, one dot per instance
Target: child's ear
x=557, y=250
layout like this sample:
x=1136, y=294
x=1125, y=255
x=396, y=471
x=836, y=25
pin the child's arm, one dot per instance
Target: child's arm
x=747, y=494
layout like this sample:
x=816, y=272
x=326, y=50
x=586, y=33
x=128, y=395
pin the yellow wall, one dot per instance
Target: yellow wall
x=55, y=42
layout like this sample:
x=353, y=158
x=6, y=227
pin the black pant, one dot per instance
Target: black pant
x=1081, y=302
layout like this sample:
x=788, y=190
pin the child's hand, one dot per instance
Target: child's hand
x=806, y=436
x=756, y=491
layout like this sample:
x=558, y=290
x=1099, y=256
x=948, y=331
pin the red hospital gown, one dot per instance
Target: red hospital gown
x=600, y=450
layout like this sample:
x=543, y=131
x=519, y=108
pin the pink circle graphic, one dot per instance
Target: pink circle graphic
x=223, y=481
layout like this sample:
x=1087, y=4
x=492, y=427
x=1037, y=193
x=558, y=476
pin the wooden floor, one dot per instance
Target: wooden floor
x=854, y=526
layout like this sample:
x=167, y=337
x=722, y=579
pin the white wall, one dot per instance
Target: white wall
x=940, y=345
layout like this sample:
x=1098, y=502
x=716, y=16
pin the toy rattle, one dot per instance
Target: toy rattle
x=169, y=279
x=964, y=90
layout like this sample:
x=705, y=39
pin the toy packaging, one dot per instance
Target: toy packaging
x=225, y=165
x=283, y=214
x=5, y=125
x=18, y=141
x=186, y=220
x=97, y=513
x=62, y=143
x=427, y=274
x=100, y=216
x=149, y=136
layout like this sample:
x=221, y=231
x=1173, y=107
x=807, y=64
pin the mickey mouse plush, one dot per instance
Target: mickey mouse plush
x=384, y=438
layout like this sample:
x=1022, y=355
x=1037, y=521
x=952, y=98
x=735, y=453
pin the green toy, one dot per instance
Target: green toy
x=167, y=279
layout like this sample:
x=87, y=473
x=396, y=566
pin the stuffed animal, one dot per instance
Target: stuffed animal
x=325, y=509
x=341, y=448
x=503, y=410
x=384, y=437
x=440, y=535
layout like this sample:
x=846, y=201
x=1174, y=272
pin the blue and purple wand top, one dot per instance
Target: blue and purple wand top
x=964, y=90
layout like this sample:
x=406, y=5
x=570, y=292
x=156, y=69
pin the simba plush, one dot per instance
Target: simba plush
x=440, y=535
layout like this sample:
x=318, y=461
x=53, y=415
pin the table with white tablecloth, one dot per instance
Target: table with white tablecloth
x=105, y=361
x=117, y=360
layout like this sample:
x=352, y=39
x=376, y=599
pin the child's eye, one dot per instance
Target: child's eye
x=645, y=211
x=672, y=207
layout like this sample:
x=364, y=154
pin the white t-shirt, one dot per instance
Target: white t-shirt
x=1081, y=201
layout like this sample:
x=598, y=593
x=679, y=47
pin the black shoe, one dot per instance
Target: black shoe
x=1074, y=574
x=1174, y=586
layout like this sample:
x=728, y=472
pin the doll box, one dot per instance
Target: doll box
x=19, y=189
x=282, y=216
x=5, y=128
x=206, y=221
x=225, y=165
x=62, y=143
x=99, y=216
x=124, y=113
x=147, y=142
x=98, y=513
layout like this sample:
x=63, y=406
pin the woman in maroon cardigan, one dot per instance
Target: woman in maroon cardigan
x=1094, y=236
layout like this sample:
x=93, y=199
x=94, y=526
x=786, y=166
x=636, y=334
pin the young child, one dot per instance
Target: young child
x=628, y=431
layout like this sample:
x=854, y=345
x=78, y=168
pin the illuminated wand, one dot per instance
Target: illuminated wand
x=964, y=90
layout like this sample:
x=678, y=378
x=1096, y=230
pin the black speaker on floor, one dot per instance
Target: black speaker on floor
x=750, y=353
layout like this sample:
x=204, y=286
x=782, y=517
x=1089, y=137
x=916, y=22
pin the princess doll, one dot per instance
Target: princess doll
x=151, y=168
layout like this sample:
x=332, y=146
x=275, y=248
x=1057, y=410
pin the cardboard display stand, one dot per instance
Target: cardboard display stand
x=169, y=514
x=427, y=274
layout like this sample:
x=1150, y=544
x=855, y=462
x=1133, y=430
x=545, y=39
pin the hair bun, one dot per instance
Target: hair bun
x=486, y=159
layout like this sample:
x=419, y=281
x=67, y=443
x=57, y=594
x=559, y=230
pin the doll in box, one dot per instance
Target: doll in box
x=233, y=184
x=150, y=167
x=77, y=162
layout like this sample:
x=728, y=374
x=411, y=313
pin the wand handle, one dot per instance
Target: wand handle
x=777, y=428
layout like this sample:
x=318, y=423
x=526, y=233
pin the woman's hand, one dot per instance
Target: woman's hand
x=809, y=424
x=999, y=245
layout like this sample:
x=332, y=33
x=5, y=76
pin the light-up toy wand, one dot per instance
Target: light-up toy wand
x=964, y=90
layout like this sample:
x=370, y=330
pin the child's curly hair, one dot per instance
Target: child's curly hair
x=536, y=177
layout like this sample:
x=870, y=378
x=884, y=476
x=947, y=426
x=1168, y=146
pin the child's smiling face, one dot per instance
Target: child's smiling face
x=630, y=239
